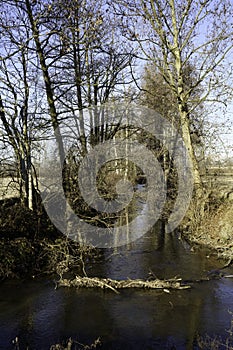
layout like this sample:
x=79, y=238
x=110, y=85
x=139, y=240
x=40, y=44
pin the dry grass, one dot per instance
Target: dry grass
x=214, y=230
x=217, y=343
x=69, y=344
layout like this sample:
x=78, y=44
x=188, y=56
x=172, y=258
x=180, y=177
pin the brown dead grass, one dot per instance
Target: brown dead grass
x=216, y=230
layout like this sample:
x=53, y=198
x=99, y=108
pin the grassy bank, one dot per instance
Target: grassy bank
x=214, y=229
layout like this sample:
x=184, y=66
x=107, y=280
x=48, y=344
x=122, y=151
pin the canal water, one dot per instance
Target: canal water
x=40, y=315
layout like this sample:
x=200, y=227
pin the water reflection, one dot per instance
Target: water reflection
x=131, y=320
x=157, y=253
x=134, y=319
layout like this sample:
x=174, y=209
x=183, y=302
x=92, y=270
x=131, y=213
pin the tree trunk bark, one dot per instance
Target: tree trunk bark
x=198, y=186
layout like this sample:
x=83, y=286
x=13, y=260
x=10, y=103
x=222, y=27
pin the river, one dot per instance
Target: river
x=41, y=315
x=135, y=319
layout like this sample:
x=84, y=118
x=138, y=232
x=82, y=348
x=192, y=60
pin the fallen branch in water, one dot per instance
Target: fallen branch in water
x=114, y=285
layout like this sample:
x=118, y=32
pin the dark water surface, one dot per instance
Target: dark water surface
x=135, y=319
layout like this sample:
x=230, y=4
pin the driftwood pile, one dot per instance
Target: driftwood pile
x=114, y=285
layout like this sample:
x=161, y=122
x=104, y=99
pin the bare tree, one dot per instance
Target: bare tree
x=172, y=34
x=81, y=61
x=66, y=53
x=89, y=66
x=16, y=115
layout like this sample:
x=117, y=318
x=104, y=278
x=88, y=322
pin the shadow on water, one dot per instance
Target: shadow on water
x=135, y=319
x=40, y=315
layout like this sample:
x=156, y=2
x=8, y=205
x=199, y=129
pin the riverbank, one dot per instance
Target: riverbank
x=30, y=246
x=214, y=231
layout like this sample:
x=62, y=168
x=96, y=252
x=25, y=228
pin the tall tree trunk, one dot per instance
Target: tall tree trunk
x=47, y=81
x=198, y=186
